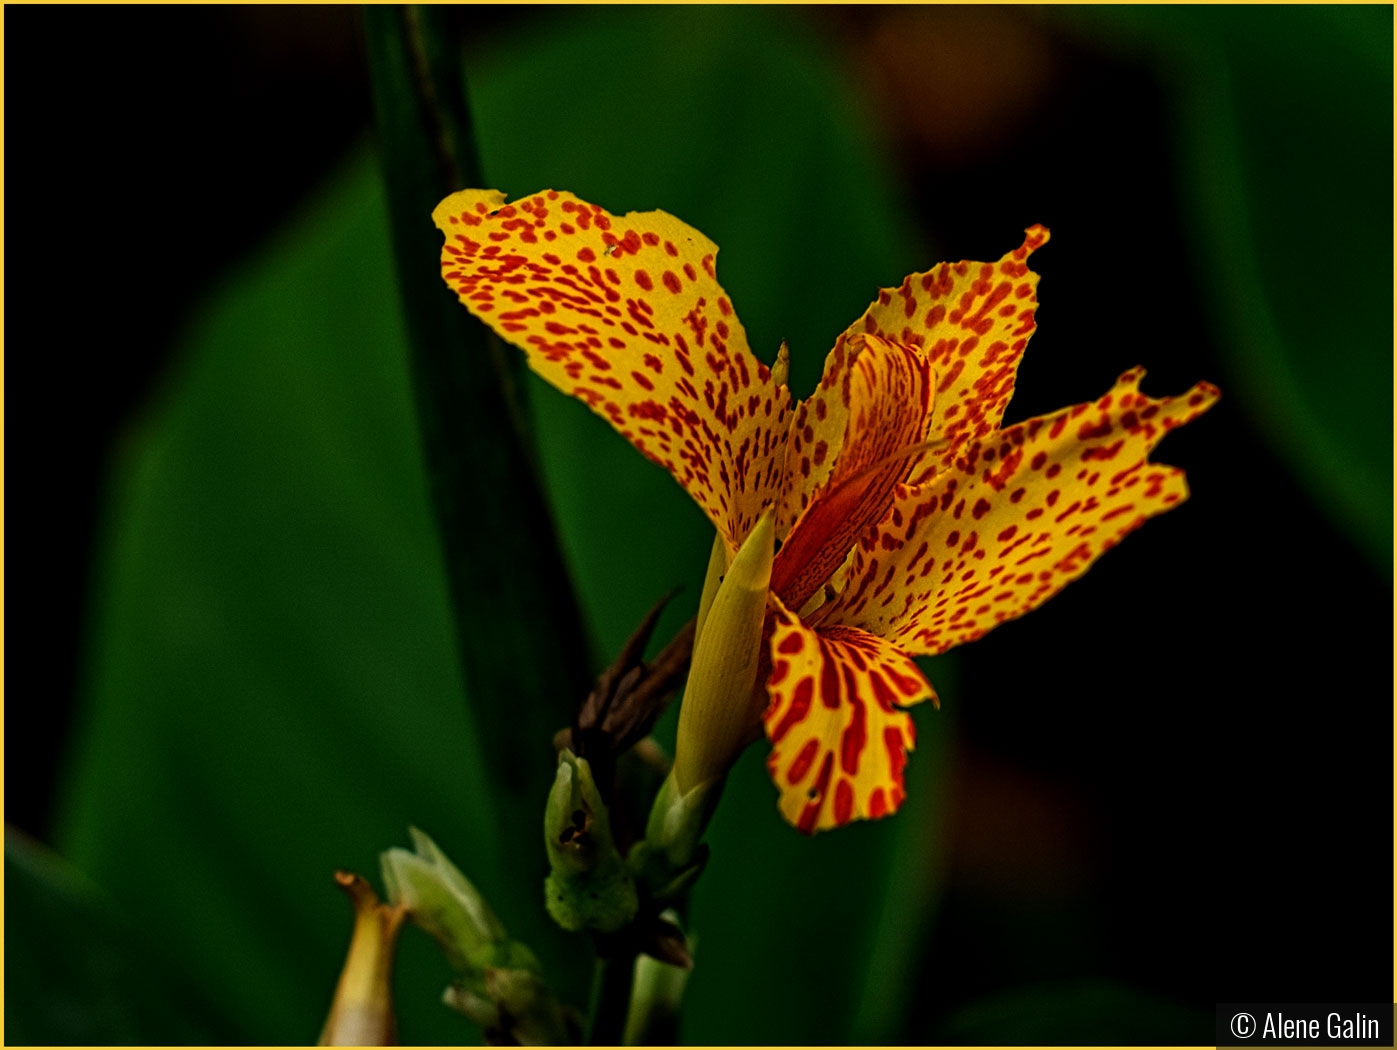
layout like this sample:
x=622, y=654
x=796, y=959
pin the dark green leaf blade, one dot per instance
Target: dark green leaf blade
x=274, y=689
x=76, y=974
x=1284, y=130
x=521, y=642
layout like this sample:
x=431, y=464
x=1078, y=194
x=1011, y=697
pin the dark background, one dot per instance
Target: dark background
x=1232, y=664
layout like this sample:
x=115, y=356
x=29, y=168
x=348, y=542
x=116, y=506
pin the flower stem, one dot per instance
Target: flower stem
x=519, y=624
x=655, y=1002
x=611, y=997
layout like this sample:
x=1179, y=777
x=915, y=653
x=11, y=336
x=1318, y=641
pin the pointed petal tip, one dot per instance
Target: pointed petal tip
x=1199, y=398
x=1035, y=237
x=781, y=370
x=751, y=565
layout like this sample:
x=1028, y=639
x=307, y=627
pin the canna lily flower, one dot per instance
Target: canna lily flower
x=907, y=519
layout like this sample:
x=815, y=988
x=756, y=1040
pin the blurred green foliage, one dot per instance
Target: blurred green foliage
x=1091, y=1013
x=274, y=692
x=76, y=974
x=1283, y=135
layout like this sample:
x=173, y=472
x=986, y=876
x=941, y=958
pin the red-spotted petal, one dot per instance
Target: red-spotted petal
x=626, y=314
x=839, y=734
x=1018, y=516
x=972, y=320
x=841, y=458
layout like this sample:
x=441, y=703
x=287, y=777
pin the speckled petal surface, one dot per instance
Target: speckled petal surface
x=972, y=320
x=1019, y=515
x=841, y=462
x=626, y=314
x=836, y=721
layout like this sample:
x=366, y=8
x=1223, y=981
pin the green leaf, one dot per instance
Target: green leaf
x=76, y=974
x=518, y=627
x=275, y=691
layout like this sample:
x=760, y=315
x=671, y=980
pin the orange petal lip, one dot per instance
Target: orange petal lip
x=837, y=722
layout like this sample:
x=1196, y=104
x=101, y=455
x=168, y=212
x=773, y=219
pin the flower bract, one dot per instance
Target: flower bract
x=908, y=518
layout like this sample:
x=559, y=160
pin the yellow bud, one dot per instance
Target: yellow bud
x=718, y=718
x=362, y=1012
x=782, y=368
x=717, y=567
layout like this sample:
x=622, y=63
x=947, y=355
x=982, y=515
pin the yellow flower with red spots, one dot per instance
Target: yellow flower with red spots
x=908, y=519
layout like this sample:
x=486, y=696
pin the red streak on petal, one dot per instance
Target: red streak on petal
x=801, y=764
x=877, y=804
x=852, y=741
x=800, y=707
x=843, y=802
x=811, y=814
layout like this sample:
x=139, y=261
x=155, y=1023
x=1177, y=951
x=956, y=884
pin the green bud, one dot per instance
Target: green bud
x=445, y=904
x=588, y=886
x=499, y=984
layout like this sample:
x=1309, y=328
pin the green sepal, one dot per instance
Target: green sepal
x=670, y=858
x=591, y=902
x=679, y=818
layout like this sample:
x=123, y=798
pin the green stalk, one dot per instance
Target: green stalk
x=655, y=1003
x=611, y=998
x=522, y=646
x=523, y=649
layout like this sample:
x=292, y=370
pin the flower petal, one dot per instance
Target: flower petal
x=839, y=734
x=626, y=314
x=841, y=458
x=972, y=320
x=1019, y=516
